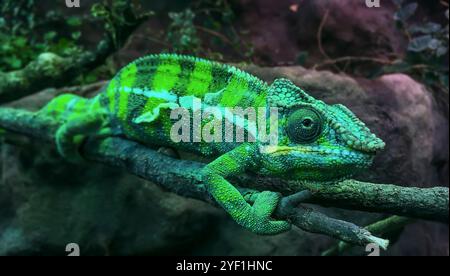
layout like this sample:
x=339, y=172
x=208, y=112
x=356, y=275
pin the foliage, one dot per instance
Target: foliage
x=24, y=34
x=182, y=34
x=427, y=48
x=205, y=27
x=116, y=14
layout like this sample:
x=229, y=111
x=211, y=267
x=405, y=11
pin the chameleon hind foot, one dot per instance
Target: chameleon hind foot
x=71, y=135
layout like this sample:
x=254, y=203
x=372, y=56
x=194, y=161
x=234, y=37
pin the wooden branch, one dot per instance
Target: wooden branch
x=183, y=177
x=382, y=228
x=422, y=203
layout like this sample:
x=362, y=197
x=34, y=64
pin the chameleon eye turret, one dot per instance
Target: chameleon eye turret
x=304, y=125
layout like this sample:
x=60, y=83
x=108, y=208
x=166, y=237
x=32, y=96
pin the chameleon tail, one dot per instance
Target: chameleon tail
x=65, y=106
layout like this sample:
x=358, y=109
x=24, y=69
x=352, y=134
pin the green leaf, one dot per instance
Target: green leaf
x=434, y=44
x=76, y=35
x=406, y=12
x=74, y=21
x=419, y=43
x=14, y=62
x=427, y=28
x=441, y=51
x=90, y=78
x=50, y=36
x=98, y=10
x=20, y=42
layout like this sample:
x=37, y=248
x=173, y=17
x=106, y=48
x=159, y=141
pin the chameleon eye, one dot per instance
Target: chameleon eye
x=304, y=125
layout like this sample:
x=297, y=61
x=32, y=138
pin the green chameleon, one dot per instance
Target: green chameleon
x=316, y=142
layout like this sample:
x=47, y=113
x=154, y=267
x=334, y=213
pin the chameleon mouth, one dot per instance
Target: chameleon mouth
x=343, y=153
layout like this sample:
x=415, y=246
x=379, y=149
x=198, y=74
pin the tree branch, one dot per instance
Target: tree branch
x=183, y=177
x=382, y=228
x=421, y=203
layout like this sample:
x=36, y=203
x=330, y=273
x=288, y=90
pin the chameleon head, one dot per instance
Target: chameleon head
x=316, y=141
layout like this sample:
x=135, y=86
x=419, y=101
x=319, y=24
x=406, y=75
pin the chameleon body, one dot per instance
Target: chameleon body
x=316, y=141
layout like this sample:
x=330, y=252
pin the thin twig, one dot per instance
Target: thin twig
x=382, y=228
x=153, y=40
x=214, y=33
x=319, y=38
x=353, y=59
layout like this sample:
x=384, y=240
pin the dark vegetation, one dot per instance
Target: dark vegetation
x=222, y=30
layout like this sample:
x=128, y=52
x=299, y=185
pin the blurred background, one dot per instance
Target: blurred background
x=389, y=64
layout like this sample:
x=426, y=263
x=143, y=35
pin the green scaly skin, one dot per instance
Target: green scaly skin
x=316, y=142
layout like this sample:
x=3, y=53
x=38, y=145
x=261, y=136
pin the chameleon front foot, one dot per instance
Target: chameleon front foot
x=258, y=217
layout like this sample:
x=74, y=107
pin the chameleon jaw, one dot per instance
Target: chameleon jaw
x=319, y=162
x=280, y=150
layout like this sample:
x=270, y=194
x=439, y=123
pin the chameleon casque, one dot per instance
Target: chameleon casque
x=317, y=142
